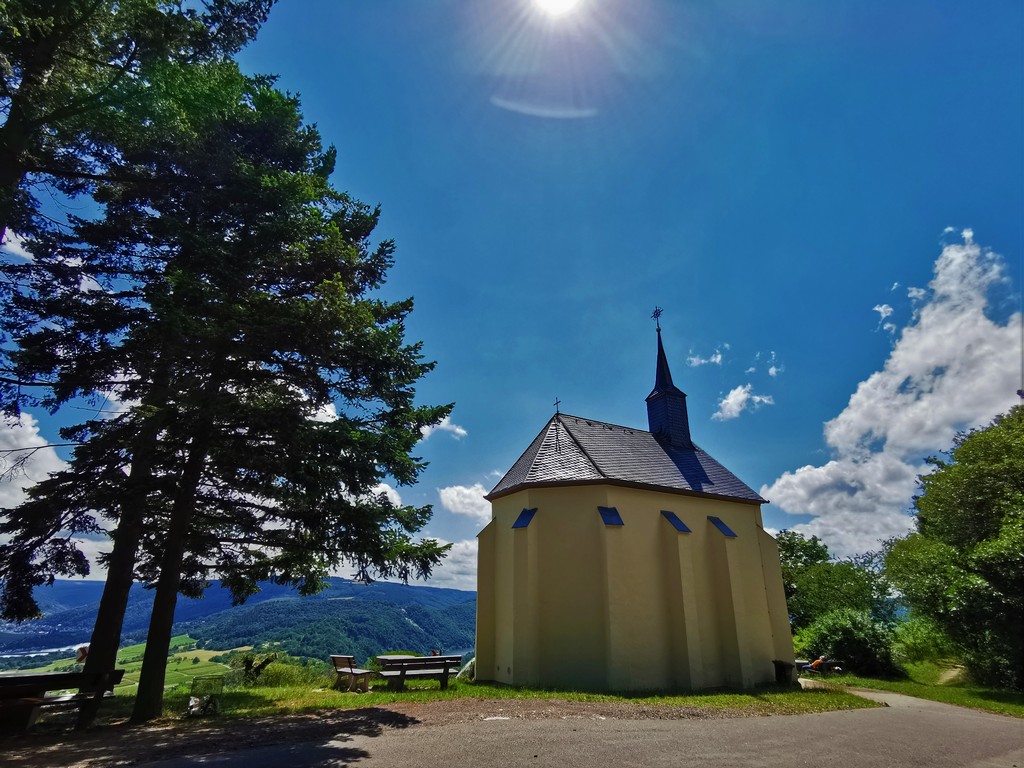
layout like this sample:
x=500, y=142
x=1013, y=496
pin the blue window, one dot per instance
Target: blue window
x=678, y=524
x=720, y=525
x=610, y=515
x=524, y=518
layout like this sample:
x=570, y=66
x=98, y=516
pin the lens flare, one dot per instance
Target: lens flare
x=557, y=7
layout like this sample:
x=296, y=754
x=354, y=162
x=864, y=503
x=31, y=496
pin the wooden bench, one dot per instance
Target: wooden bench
x=396, y=670
x=23, y=696
x=355, y=679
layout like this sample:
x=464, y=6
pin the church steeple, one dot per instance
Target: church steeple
x=666, y=405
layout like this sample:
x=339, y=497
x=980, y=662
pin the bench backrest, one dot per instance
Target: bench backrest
x=422, y=662
x=38, y=683
x=343, y=663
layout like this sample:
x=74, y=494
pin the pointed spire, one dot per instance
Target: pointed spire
x=663, y=376
x=666, y=405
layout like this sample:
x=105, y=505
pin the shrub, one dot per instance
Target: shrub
x=850, y=636
x=279, y=674
x=919, y=638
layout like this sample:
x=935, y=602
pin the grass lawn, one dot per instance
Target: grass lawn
x=256, y=701
x=925, y=682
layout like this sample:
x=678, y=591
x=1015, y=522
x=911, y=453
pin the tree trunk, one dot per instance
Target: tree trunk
x=106, y=633
x=149, y=699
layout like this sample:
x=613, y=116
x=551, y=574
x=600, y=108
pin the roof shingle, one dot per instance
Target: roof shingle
x=570, y=450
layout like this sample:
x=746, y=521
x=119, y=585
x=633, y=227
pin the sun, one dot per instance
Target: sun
x=557, y=7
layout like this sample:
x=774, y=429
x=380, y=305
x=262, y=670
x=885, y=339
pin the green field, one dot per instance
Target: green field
x=181, y=664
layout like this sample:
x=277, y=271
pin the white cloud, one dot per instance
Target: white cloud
x=845, y=496
x=734, y=403
x=715, y=359
x=388, y=491
x=14, y=244
x=917, y=294
x=24, y=433
x=466, y=500
x=951, y=367
x=446, y=425
x=92, y=548
x=883, y=309
x=775, y=370
x=326, y=413
x=458, y=569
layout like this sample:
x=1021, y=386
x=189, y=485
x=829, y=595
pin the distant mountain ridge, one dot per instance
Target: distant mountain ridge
x=344, y=618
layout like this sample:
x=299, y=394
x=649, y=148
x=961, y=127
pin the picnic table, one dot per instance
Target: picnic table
x=23, y=696
x=397, y=668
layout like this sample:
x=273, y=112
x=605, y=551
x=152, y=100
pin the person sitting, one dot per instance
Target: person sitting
x=814, y=666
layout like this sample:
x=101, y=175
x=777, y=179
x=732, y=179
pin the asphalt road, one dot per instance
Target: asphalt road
x=908, y=732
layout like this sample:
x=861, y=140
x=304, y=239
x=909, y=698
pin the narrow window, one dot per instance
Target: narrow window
x=720, y=525
x=524, y=518
x=610, y=515
x=678, y=524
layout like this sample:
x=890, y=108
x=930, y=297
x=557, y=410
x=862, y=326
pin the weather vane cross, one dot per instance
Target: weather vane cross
x=656, y=314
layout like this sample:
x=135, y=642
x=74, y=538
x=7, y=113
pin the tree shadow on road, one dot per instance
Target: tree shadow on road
x=321, y=733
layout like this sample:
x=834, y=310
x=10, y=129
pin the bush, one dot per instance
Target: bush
x=278, y=675
x=850, y=636
x=919, y=638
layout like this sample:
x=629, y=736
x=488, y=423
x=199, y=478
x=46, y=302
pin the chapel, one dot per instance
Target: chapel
x=626, y=559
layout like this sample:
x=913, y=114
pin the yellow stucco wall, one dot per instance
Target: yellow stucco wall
x=571, y=602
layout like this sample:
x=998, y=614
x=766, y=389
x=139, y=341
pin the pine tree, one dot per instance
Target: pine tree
x=271, y=391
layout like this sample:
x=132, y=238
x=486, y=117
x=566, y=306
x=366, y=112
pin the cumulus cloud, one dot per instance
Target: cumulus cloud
x=446, y=425
x=738, y=399
x=23, y=433
x=14, y=244
x=458, y=569
x=466, y=500
x=952, y=367
x=392, y=495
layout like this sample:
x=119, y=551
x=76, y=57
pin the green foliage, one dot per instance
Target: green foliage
x=73, y=73
x=824, y=587
x=964, y=567
x=276, y=669
x=918, y=639
x=815, y=585
x=850, y=636
x=796, y=553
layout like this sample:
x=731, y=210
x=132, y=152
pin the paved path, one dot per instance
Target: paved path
x=907, y=732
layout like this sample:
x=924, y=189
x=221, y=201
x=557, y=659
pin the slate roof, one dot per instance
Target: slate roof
x=571, y=451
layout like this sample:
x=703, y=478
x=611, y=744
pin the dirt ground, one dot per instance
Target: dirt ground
x=118, y=744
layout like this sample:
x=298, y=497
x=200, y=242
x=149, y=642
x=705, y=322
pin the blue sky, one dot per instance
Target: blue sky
x=790, y=181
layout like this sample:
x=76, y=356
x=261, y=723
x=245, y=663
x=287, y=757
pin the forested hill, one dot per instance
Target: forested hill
x=353, y=626
x=345, y=618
